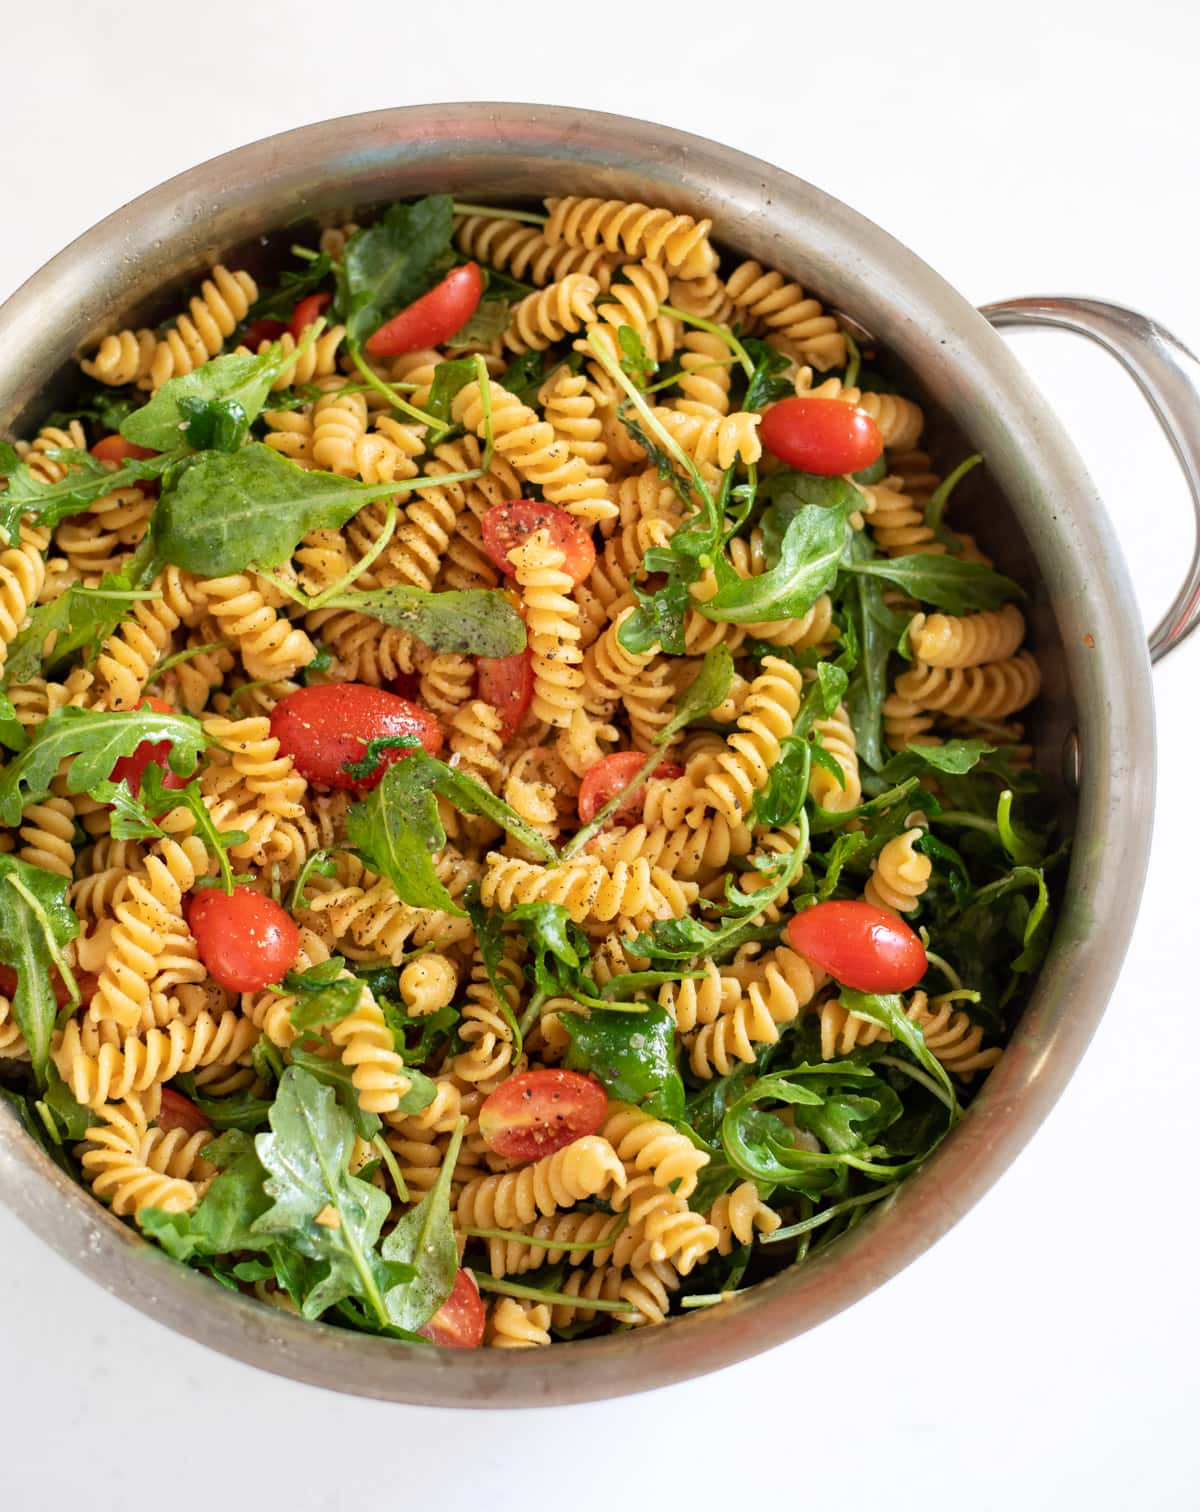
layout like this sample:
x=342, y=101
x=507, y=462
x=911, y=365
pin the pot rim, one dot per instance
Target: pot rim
x=787, y=223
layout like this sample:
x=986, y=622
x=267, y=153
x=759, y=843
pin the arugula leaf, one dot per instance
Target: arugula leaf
x=488, y=321
x=388, y=265
x=224, y=1220
x=947, y=582
x=809, y=554
x=707, y=689
x=887, y=1009
x=955, y=756
x=242, y=1110
x=449, y=379
x=87, y=479
x=423, y=1241
x=560, y=949
x=635, y=363
x=658, y=619
x=36, y=923
x=280, y=302
x=767, y=382
x=29, y=1115
x=228, y=510
x=98, y=405
x=473, y=621
x=71, y=1119
x=875, y=631
x=788, y=493
x=397, y=831
x=227, y=392
x=79, y=619
x=632, y=1054
x=12, y=731
x=373, y=757
x=306, y=1156
x=525, y=374
x=323, y=994
x=134, y=815
x=339, y=1078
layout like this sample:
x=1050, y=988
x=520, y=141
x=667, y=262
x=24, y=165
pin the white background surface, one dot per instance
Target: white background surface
x=1045, y=1353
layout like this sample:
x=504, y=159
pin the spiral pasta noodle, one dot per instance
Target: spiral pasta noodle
x=947, y=640
x=899, y=875
x=581, y=1169
x=993, y=691
x=679, y=242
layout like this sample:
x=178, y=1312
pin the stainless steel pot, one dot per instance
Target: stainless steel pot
x=1090, y=634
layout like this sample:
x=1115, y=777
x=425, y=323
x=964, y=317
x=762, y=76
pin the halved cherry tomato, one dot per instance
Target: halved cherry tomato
x=117, y=449
x=264, y=329
x=84, y=980
x=822, y=436
x=328, y=726
x=430, y=320
x=306, y=311
x=509, y=525
x=458, y=1323
x=506, y=682
x=179, y=1112
x=606, y=779
x=130, y=768
x=244, y=937
x=538, y=1112
x=859, y=945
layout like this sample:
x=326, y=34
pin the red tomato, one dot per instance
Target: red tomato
x=262, y=330
x=117, y=449
x=405, y=685
x=130, y=768
x=458, y=1323
x=179, y=1112
x=609, y=776
x=509, y=525
x=428, y=321
x=506, y=682
x=822, y=436
x=244, y=938
x=862, y=946
x=84, y=980
x=306, y=311
x=538, y=1112
x=329, y=725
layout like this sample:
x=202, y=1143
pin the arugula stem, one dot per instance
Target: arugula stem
x=730, y=340
x=531, y=1014
x=827, y=1215
x=854, y=362
x=387, y=1155
x=363, y=564
x=639, y=778
x=918, y=1076
x=389, y=393
x=966, y=821
x=312, y=861
x=536, y=1294
x=484, y=379
x=371, y=1290
x=56, y=954
x=936, y=507
x=502, y=212
x=182, y=656
x=511, y=1236
x=712, y=1299
x=659, y=432
x=945, y=968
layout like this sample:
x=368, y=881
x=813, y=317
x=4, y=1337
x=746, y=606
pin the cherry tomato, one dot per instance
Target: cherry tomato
x=262, y=330
x=327, y=726
x=538, y=1112
x=822, y=436
x=306, y=311
x=430, y=320
x=609, y=776
x=859, y=945
x=84, y=980
x=179, y=1112
x=130, y=768
x=117, y=449
x=506, y=682
x=458, y=1323
x=244, y=937
x=509, y=525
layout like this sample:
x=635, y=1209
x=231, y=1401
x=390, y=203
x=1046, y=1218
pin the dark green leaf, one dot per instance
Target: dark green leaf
x=768, y=381
x=956, y=756
x=373, y=756
x=472, y=621
x=632, y=1054
x=339, y=1077
x=86, y=480
x=36, y=923
x=323, y=994
x=423, y=1241
x=397, y=831
x=134, y=815
x=393, y=262
x=809, y=554
x=489, y=321
x=280, y=303
x=707, y=689
x=225, y=1218
x=887, y=1009
x=449, y=378
x=213, y=405
x=948, y=582
x=658, y=618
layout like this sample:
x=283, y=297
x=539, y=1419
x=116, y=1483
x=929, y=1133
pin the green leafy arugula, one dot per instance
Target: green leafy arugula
x=325, y=994
x=388, y=265
x=92, y=741
x=809, y=553
x=423, y=1242
x=632, y=1054
x=280, y=302
x=473, y=621
x=768, y=381
x=948, y=582
x=787, y=786
x=36, y=924
x=86, y=480
x=135, y=814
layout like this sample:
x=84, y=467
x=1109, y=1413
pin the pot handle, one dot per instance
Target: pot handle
x=1169, y=377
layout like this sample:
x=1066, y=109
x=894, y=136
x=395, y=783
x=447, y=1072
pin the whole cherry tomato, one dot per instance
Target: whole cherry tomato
x=329, y=726
x=859, y=945
x=458, y=1323
x=130, y=768
x=264, y=329
x=179, y=1112
x=306, y=311
x=117, y=449
x=509, y=525
x=244, y=938
x=822, y=436
x=538, y=1112
x=606, y=779
x=433, y=318
x=506, y=682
